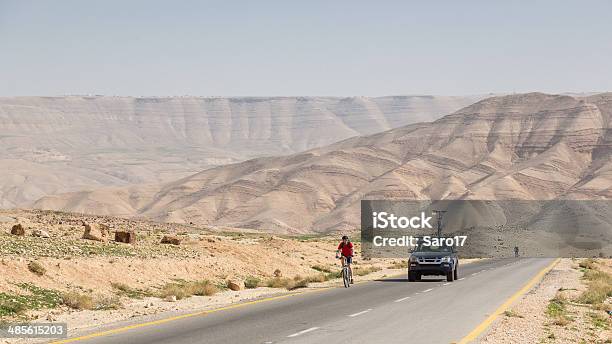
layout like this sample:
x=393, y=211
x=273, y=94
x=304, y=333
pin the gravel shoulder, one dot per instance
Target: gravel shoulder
x=549, y=313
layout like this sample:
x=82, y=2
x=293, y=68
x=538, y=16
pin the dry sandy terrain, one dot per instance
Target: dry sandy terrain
x=85, y=267
x=530, y=320
x=529, y=147
x=50, y=145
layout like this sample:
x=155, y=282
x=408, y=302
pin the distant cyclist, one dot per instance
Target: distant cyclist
x=345, y=251
x=516, y=251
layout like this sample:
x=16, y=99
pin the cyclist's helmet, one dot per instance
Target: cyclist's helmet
x=345, y=237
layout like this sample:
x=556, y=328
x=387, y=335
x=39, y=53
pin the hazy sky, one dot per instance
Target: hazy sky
x=266, y=48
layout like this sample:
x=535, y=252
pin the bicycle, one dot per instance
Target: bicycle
x=346, y=274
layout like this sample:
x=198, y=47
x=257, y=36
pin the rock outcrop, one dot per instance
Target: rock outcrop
x=18, y=230
x=128, y=237
x=40, y=233
x=96, y=232
x=171, y=239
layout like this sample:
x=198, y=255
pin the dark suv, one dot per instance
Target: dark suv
x=433, y=260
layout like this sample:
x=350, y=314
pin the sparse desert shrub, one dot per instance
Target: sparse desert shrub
x=132, y=293
x=79, y=301
x=556, y=307
x=362, y=271
x=599, y=320
x=202, y=288
x=10, y=307
x=251, y=282
x=562, y=320
x=334, y=274
x=317, y=278
x=104, y=302
x=510, y=313
x=36, y=298
x=402, y=264
x=182, y=289
x=588, y=264
x=321, y=268
x=599, y=287
x=296, y=284
x=557, y=310
x=36, y=268
x=174, y=289
x=278, y=273
x=278, y=282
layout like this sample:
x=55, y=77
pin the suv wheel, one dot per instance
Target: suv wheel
x=450, y=275
x=411, y=276
x=456, y=274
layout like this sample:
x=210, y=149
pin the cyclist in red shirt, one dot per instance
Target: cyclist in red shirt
x=345, y=251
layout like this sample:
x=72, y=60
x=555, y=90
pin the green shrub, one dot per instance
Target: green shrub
x=37, y=298
x=251, y=282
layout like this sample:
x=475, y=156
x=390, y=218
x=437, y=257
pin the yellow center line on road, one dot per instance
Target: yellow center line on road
x=178, y=317
x=501, y=309
x=200, y=313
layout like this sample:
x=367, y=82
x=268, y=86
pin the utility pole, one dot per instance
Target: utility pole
x=439, y=214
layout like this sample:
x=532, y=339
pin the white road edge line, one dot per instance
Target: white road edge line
x=302, y=332
x=360, y=313
x=461, y=279
x=402, y=299
x=428, y=290
x=447, y=283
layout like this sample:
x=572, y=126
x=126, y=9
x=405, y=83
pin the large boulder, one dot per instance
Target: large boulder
x=232, y=285
x=18, y=230
x=171, y=239
x=39, y=233
x=96, y=231
x=128, y=237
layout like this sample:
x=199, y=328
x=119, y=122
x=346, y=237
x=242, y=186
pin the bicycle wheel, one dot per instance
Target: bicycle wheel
x=345, y=278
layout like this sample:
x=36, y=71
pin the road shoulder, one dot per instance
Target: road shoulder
x=549, y=314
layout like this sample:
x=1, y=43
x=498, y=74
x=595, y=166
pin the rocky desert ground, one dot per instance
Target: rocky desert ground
x=48, y=271
x=572, y=304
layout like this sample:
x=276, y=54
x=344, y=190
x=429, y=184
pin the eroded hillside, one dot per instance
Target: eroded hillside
x=51, y=145
x=530, y=146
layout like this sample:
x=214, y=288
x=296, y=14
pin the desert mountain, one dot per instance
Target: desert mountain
x=528, y=146
x=51, y=145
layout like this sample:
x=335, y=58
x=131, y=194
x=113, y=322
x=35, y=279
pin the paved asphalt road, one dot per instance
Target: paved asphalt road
x=385, y=311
